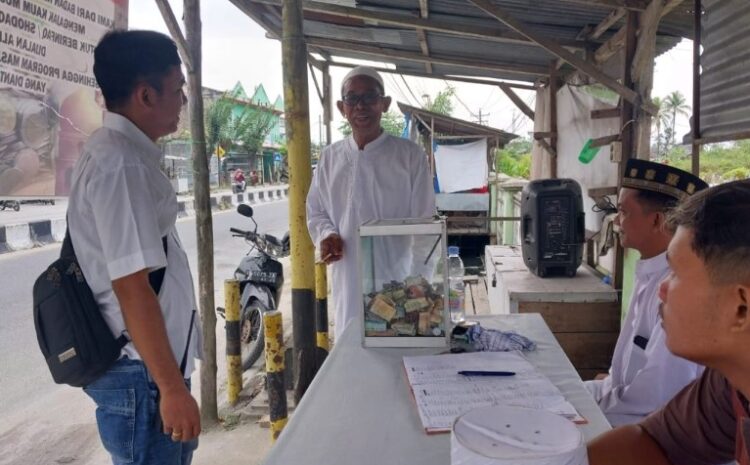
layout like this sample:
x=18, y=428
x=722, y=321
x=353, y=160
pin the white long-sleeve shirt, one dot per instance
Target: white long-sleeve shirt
x=644, y=373
x=389, y=179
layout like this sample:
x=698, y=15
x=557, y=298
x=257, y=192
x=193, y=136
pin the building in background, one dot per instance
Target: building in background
x=228, y=151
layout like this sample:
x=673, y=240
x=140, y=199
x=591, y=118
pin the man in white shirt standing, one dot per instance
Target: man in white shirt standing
x=121, y=219
x=370, y=175
x=644, y=373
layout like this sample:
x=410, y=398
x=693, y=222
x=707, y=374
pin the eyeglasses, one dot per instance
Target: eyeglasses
x=352, y=100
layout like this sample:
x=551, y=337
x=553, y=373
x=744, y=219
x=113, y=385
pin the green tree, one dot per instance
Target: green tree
x=391, y=122
x=218, y=116
x=515, y=159
x=675, y=104
x=443, y=102
x=659, y=121
x=719, y=162
x=245, y=131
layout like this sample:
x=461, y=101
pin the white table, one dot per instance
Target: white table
x=359, y=409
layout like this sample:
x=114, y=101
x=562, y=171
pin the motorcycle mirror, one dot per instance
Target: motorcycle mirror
x=245, y=210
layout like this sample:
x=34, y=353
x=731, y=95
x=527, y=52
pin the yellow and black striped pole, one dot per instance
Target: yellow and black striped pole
x=297, y=111
x=234, y=351
x=321, y=306
x=275, y=371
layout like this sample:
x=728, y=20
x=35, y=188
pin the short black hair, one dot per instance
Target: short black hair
x=653, y=201
x=124, y=59
x=719, y=218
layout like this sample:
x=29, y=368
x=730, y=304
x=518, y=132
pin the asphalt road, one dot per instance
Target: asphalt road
x=25, y=384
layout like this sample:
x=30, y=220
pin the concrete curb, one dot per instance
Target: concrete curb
x=22, y=236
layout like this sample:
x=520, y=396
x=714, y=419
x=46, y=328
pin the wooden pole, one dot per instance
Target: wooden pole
x=696, y=156
x=203, y=218
x=189, y=48
x=296, y=103
x=626, y=131
x=553, y=118
x=327, y=102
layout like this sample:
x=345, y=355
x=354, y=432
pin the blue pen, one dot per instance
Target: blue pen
x=486, y=373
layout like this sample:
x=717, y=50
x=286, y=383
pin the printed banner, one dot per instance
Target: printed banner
x=49, y=99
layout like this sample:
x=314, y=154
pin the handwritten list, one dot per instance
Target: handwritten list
x=441, y=394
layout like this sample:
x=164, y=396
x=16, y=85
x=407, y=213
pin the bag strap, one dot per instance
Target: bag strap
x=183, y=364
x=155, y=278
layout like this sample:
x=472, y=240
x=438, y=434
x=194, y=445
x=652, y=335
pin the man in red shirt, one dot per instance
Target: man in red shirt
x=706, y=317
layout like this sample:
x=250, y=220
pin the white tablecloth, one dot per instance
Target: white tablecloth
x=359, y=410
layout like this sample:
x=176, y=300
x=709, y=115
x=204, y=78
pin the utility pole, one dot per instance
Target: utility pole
x=296, y=106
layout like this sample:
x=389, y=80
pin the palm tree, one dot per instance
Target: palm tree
x=661, y=118
x=675, y=104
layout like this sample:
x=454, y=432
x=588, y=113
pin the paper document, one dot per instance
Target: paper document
x=442, y=394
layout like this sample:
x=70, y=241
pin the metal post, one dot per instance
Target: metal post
x=321, y=306
x=296, y=102
x=696, y=87
x=203, y=218
x=275, y=388
x=234, y=351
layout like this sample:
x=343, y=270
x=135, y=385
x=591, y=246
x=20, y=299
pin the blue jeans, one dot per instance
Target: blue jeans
x=127, y=416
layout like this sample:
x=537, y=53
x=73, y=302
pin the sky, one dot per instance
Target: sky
x=235, y=48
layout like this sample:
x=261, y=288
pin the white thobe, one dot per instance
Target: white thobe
x=389, y=179
x=644, y=375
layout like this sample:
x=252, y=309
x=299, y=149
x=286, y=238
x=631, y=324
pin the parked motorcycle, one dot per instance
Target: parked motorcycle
x=261, y=278
x=10, y=204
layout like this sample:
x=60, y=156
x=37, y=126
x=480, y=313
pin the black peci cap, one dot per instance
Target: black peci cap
x=651, y=176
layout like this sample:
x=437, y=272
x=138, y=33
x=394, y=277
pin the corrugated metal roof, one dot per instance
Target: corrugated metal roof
x=563, y=21
x=450, y=126
x=725, y=79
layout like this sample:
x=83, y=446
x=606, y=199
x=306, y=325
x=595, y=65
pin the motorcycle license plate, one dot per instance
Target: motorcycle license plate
x=267, y=277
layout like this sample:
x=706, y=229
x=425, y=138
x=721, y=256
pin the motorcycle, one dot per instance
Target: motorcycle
x=261, y=278
x=238, y=186
x=11, y=204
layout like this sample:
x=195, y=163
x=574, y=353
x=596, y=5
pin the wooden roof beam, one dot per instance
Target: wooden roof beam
x=512, y=85
x=551, y=46
x=245, y=7
x=411, y=22
x=382, y=52
x=637, y=5
x=424, y=13
x=617, y=41
x=517, y=100
x=176, y=33
x=613, y=18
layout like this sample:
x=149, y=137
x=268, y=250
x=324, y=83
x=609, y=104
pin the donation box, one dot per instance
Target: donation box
x=403, y=279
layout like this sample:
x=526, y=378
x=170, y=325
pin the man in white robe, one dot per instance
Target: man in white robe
x=370, y=175
x=644, y=373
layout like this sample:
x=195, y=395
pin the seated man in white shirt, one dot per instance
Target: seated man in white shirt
x=644, y=374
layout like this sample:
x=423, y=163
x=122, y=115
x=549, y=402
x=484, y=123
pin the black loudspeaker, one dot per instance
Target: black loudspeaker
x=552, y=227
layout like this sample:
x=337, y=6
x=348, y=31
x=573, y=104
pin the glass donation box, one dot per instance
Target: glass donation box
x=403, y=280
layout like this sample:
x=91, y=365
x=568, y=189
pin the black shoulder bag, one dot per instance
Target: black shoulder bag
x=76, y=342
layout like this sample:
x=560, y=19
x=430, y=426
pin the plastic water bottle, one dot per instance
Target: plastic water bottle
x=455, y=285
